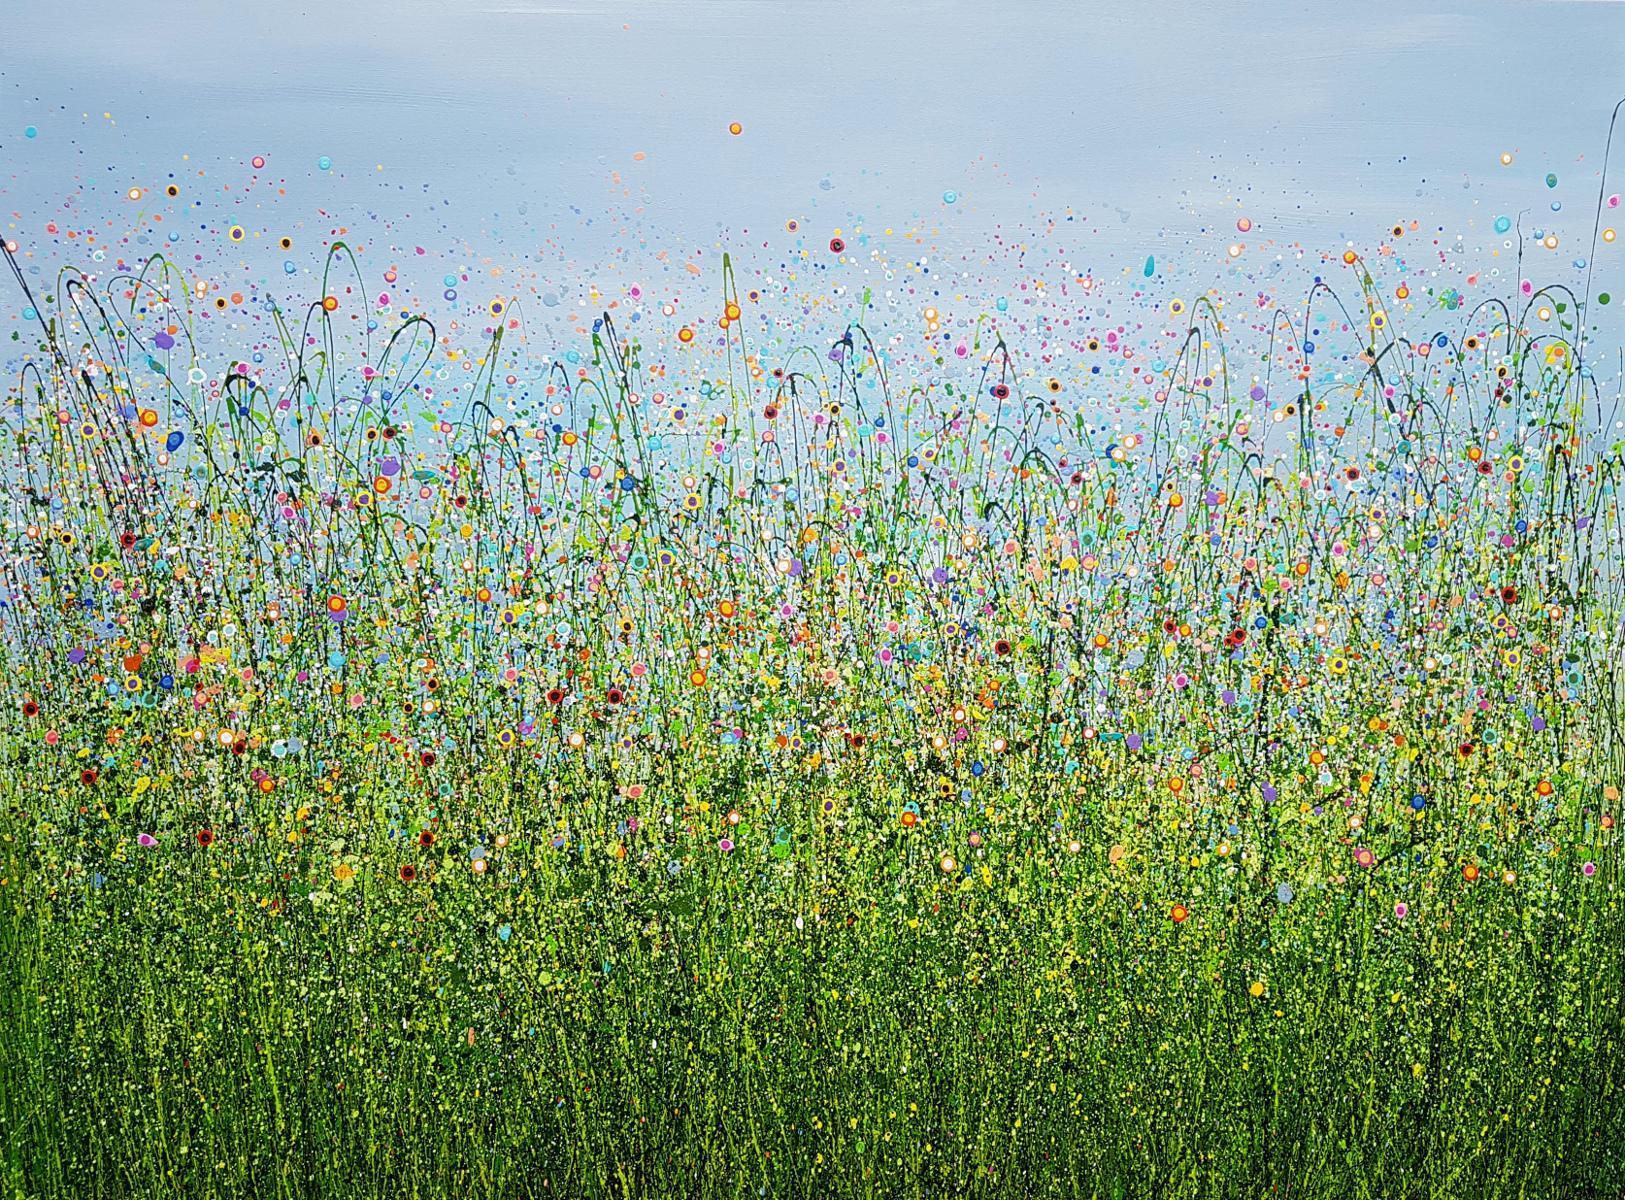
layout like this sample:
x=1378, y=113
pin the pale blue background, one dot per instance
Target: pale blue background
x=501, y=125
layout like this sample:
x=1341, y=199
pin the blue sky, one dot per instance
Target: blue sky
x=484, y=129
x=1155, y=109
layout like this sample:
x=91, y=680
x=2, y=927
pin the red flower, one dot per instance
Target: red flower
x=426, y=838
x=205, y=837
x=408, y=872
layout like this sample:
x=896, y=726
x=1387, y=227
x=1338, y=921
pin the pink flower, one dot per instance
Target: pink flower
x=146, y=839
x=725, y=845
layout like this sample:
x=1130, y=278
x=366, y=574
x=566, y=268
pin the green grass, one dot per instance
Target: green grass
x=183, y=1030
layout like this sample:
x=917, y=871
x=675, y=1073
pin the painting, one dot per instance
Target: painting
x=720, y=598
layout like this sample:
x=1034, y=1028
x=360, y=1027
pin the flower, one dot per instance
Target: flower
x=205, y=837
x=1365, y=856
x=1178, y=913
x=146, y=839
x=408, y=872
x=725, y=844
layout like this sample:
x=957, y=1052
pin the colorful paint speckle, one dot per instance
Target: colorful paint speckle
x=827, y=710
